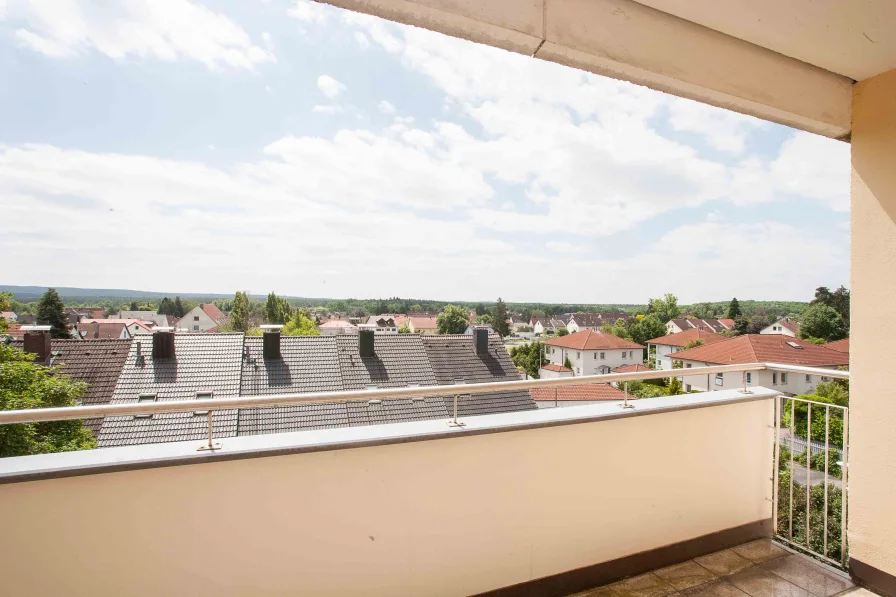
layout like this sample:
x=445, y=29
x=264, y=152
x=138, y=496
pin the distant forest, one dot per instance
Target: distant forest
x=25, y=301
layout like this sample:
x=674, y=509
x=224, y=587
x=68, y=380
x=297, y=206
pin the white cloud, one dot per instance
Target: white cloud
x=564, y=247
x=329, y=86
x=723, y=130
x=326, y=109
x=386, y=107
x=815, y=167
x=166, y=30
x=268, y=41
x=309, y=12
x=362, y=40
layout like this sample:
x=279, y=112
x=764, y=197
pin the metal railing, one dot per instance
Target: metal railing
x=793, y=521
x=214, y=404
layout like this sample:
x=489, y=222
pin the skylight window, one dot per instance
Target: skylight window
x=144, y=398
x=794, y=345
x=203, y=396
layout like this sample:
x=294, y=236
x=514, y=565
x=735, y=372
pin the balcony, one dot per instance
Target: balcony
x=552, y=501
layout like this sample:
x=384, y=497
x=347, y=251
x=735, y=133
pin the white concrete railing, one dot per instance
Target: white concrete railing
x=405, y=509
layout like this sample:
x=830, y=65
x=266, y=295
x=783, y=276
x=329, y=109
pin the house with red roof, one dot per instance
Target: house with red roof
x=760, y=348
x=202, y=318
x=591, y=352
x=661, y=348
x=785, y=325
x=673, y=326
x=594, y=393
x=553, y=371
x=838, y=345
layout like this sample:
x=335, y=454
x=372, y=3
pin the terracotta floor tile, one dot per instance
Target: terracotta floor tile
x=645, y=585
x=686, y=575
x=758, y=582
x=723, y=563
x=804, y=573
x=716, y=588
x=759, y=551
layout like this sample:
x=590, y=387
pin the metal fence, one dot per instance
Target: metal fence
x=810, y=510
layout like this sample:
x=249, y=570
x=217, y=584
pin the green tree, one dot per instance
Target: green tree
x=416, y=307
x=134, y=306
x=734, y=309
x=566, y=363
x=647, y=328
x=665, y=308
x=499, y=319
x=821, y=321
x=301, y=324
x=675, y=388
x=453, y=320
x=404, y=329
x=528, y=357
x=179, y=310
x=25, y=384
x=562, y=332
x=277, y=310
x=837, y=300
x=4, y=306
x=485, y=319
x=692, y=344
x=166, y=307
x=239, y=316
x=50, y=312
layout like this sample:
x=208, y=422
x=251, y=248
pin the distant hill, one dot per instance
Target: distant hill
x=27, y=293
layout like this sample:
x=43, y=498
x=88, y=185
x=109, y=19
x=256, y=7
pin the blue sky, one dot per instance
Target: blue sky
x=300, y=148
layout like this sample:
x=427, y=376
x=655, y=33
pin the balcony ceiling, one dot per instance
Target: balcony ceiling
x=850, y=38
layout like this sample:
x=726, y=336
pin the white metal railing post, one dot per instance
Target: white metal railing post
x=778, y=416
x=844, y=476
x=625, y=403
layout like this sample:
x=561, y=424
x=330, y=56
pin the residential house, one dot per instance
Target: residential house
x=591, y=352
x=759, y=348
x=152, y=317
x=518, y=323
x=104, y=328
x=336, y=327
x=227, y=365
x=838, y=345
x=9, y=316
x=675, y=326
x=576, y=395
x=552, y=370
x=382, y=324
x=202, y=318
x=785, y=326
x=26, y=319
x=423, y=325
x=665, y=346
x=546, y=325
x=593, y=321
x=14, y=331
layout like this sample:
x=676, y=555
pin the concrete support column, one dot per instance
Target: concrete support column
x=872, y=472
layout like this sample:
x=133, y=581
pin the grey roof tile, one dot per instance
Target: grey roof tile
x=202, y=363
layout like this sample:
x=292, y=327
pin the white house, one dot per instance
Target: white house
x=785, y=326
x=553, y=371
x=423, y=325
x=335, y=327
x=591, y=352
x=593, y=321
x=663, y=347
x=146, y=316
x=674, y=326
x=759, y=348
x=202, y=318
x=546, y=325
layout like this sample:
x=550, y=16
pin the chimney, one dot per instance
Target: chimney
x=271, y=346
x=96, y=330
x=163, y=343
x=365, y=343
x=480, y=340
x=37, y=341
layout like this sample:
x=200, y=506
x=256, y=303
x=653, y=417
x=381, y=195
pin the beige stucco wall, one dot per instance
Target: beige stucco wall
x=872, y=480
x=440, y=517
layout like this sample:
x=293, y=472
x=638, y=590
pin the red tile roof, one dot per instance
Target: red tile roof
x=212, y=311
x=424, y=323
x=15, y=331
x=592, y=340
x=590, y=392
x=554, y=367
x=631, y=368
x=108, y=329
x=838, y=345
x=762, y=348
x=682, y=338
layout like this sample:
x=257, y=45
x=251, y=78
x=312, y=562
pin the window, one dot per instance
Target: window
x=687, y=388
x=808, y=379
x=578, y=371
x=688, y=365
x=143, y=398
x=720, y=380
x=783, y=379
x=602, y=356
x=578, y=355
x=774, y=379
x=823, y=378
x=195, y=318
x=203, y=396
x=195, y=328
x=749, y=377
x=631, y=354
x=623, y=354
x=595, y=356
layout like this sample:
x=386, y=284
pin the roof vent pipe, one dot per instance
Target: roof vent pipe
x=163, y=343
x=365, y=344
x=271, y=344
x=37, y=341
x=480, y=340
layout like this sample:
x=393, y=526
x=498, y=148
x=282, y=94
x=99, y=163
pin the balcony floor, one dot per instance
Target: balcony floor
x=757, y=569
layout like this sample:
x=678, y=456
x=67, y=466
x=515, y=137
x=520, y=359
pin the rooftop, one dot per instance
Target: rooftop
x=689, y=335
x=631, y=368
x=838, y=345
x=765, y=348
x=592, y=340
x=585, y=393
